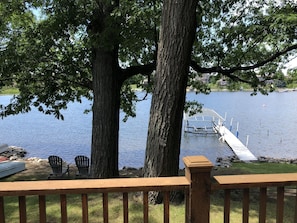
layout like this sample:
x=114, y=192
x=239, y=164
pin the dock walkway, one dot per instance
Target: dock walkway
x=240, y=150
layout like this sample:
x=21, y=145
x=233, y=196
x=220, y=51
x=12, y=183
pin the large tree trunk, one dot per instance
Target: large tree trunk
x=106, y=92
x=105, y=133
x=164, y=134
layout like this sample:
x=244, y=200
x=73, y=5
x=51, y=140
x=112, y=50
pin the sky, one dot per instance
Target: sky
x=290, y=65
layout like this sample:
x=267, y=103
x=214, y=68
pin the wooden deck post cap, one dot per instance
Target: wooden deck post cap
x=198, y=163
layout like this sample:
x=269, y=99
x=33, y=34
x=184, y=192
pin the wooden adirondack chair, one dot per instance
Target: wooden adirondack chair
x=83, y=166
x=59, y=171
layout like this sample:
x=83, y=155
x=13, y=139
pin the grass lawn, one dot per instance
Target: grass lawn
x=258, y=168
x=177, y=212
x=5, y=91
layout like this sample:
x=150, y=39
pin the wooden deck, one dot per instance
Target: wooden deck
x=273, y=194
x=240, y=150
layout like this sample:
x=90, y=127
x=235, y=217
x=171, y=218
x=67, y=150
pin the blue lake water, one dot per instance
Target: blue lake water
x=269, y=121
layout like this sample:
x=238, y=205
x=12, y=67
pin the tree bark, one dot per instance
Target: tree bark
x=105, y=132
x=164, y=134
x=106, y=93
x=108, y=78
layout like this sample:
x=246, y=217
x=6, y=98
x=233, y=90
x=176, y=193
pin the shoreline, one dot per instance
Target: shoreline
x=18, y=153
x=40, y=168
x=226, y=162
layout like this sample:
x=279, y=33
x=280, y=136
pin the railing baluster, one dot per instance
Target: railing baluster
x=22, y=209
x=85, y=214
x=246, y=205
x=295, y=218
x=105, y=207
x=63, y=203
x=280, y=205
x=227, y=206
x=263, y=204
x=145, y=207
x=187, y=207
x=125, y=207
x=2, y=215
x=42, y=209
x=166, y=199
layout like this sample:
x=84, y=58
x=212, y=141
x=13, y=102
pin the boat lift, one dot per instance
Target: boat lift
x=202, y=123
x=210, y=122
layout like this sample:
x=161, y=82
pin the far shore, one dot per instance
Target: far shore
x=14, y=91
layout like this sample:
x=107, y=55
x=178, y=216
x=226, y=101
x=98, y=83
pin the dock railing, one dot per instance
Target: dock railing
x=197, y=185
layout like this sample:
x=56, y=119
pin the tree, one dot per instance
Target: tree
x=174, y=51
x=78, y=49
x=241, y=40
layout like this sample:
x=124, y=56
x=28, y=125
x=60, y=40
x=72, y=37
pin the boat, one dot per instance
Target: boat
x=8, y=167
x=3, y=148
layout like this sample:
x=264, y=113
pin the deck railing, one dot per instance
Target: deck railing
x=84, y=188
x=63, y=188
x=262, y=186
x=197, y=184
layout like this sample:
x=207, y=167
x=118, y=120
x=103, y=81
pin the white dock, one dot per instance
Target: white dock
x=240, y=150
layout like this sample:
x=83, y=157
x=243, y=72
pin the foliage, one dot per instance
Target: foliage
x=245, y=41
x=292, y=78
x=46, y=46
x=193, y=107
x=46, y=60
x=46, y=49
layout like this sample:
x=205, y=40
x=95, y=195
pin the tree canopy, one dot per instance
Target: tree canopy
x=44, y=41
x=246, y=41
x=47, y=49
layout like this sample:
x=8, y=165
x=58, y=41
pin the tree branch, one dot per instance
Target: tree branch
x=134, y=70
x=228, y=72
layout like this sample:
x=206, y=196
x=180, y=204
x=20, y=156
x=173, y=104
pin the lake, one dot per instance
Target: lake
x=269, y=121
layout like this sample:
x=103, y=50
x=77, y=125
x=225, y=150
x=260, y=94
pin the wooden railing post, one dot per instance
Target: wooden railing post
x=198, y=170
